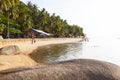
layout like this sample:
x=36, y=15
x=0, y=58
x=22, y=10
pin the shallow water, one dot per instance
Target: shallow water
x=105, y=49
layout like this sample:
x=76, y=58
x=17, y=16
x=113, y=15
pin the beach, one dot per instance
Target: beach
x=26, y=47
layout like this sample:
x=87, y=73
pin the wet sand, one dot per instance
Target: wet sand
x=11, y=61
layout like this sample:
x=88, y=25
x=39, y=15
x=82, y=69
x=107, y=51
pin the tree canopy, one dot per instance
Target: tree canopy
x=16, y=17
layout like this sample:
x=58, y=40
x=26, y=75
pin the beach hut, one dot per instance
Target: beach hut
x=40, y=32
x=35, y=32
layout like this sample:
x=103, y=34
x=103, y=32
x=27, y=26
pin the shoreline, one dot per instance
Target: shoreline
x=31, y=47
x=12, y=61
x=27, y=47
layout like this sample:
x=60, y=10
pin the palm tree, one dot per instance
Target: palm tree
x=24, y=19
x=7, y=6
x=33, y=12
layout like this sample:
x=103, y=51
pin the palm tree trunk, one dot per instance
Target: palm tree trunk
x=8, y=32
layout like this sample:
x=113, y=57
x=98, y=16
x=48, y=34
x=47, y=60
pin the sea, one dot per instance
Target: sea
x=98, y=48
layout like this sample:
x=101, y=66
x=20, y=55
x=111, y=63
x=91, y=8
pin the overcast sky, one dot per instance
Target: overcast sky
x=97, y=17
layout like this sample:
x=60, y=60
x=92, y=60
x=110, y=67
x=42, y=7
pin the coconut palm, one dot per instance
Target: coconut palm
x=7, y=6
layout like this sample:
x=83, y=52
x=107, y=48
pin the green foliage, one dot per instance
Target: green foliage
x=13, y=30
x=18, y=17
x=1, y=28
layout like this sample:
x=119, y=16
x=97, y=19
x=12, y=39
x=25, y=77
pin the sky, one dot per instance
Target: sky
x=97, y=17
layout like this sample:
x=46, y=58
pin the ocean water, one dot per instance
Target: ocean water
x=105, y=49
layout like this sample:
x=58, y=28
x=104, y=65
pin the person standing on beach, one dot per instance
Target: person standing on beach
x=32, y=39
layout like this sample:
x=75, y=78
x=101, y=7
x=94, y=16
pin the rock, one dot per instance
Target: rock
x=79, y=69
x=10, y=50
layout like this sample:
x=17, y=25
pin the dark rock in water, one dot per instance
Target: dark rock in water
x=81, y=69
x=10, y=49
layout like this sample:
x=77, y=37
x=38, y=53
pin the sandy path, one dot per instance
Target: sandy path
x=10, y=61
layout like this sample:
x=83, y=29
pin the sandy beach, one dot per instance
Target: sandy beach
x=11, y=61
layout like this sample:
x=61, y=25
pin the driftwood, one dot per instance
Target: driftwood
x=79, y=69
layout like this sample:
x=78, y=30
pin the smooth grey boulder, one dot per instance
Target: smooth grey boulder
x=10, y=50
x=79, y=69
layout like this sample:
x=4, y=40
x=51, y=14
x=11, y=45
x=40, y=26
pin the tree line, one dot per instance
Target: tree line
x=16, y=17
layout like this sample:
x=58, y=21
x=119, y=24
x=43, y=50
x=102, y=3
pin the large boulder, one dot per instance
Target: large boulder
x=9, y=50
x=81, y=69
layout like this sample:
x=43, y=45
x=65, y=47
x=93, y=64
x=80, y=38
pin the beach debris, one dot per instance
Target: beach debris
x=10, y=50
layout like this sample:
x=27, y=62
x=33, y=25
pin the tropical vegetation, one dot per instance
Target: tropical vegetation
x=16, y=17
